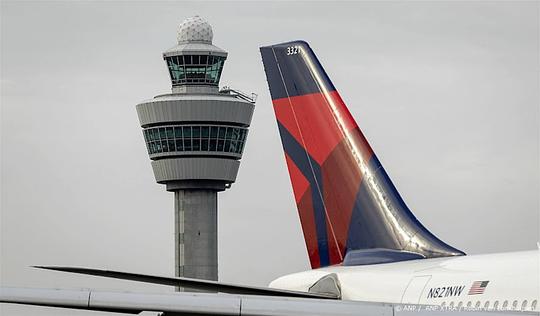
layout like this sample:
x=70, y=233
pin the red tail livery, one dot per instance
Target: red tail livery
x=345, y=199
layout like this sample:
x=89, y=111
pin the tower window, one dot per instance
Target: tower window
x=177, y=132
x=196, y=131
x=195, y=69
x=205, y=131
x=170, y=133
x=195, y=138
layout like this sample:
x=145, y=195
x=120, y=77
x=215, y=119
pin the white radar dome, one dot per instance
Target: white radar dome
x=195, y=29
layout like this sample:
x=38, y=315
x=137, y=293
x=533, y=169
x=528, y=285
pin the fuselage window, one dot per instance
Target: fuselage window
x=443, y=304
x=460, y=304
x=524, y=305
x=477, y=304
x=496, y=305
x=486, y=305
x=469, y=304
x=533, y=305
x=451, y=305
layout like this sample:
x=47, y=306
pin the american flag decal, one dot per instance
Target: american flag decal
x=478, y=287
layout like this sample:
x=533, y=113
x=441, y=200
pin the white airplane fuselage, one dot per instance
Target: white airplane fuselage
x=513, y=281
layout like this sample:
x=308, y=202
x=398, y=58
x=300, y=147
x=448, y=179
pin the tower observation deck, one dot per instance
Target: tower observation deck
x=195, y=137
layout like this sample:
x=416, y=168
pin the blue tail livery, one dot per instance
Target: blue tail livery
x=345, y=199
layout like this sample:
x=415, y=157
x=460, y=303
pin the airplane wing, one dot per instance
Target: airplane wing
x=195, y=284
x=188, y=304
x=184, y=303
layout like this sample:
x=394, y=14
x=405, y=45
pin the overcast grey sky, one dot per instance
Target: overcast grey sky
x=447, y=93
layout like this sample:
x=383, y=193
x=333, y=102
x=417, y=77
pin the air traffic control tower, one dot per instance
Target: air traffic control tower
x=195, y=137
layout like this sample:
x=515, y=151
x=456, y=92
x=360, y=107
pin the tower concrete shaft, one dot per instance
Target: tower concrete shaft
x=195, y=217
x=195, y=137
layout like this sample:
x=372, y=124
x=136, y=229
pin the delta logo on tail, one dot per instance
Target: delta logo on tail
x=345, y=199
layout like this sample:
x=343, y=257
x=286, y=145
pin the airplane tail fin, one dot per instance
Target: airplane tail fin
x=345, y=199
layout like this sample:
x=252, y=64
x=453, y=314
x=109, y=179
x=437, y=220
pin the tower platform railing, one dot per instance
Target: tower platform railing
x=252, y=98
